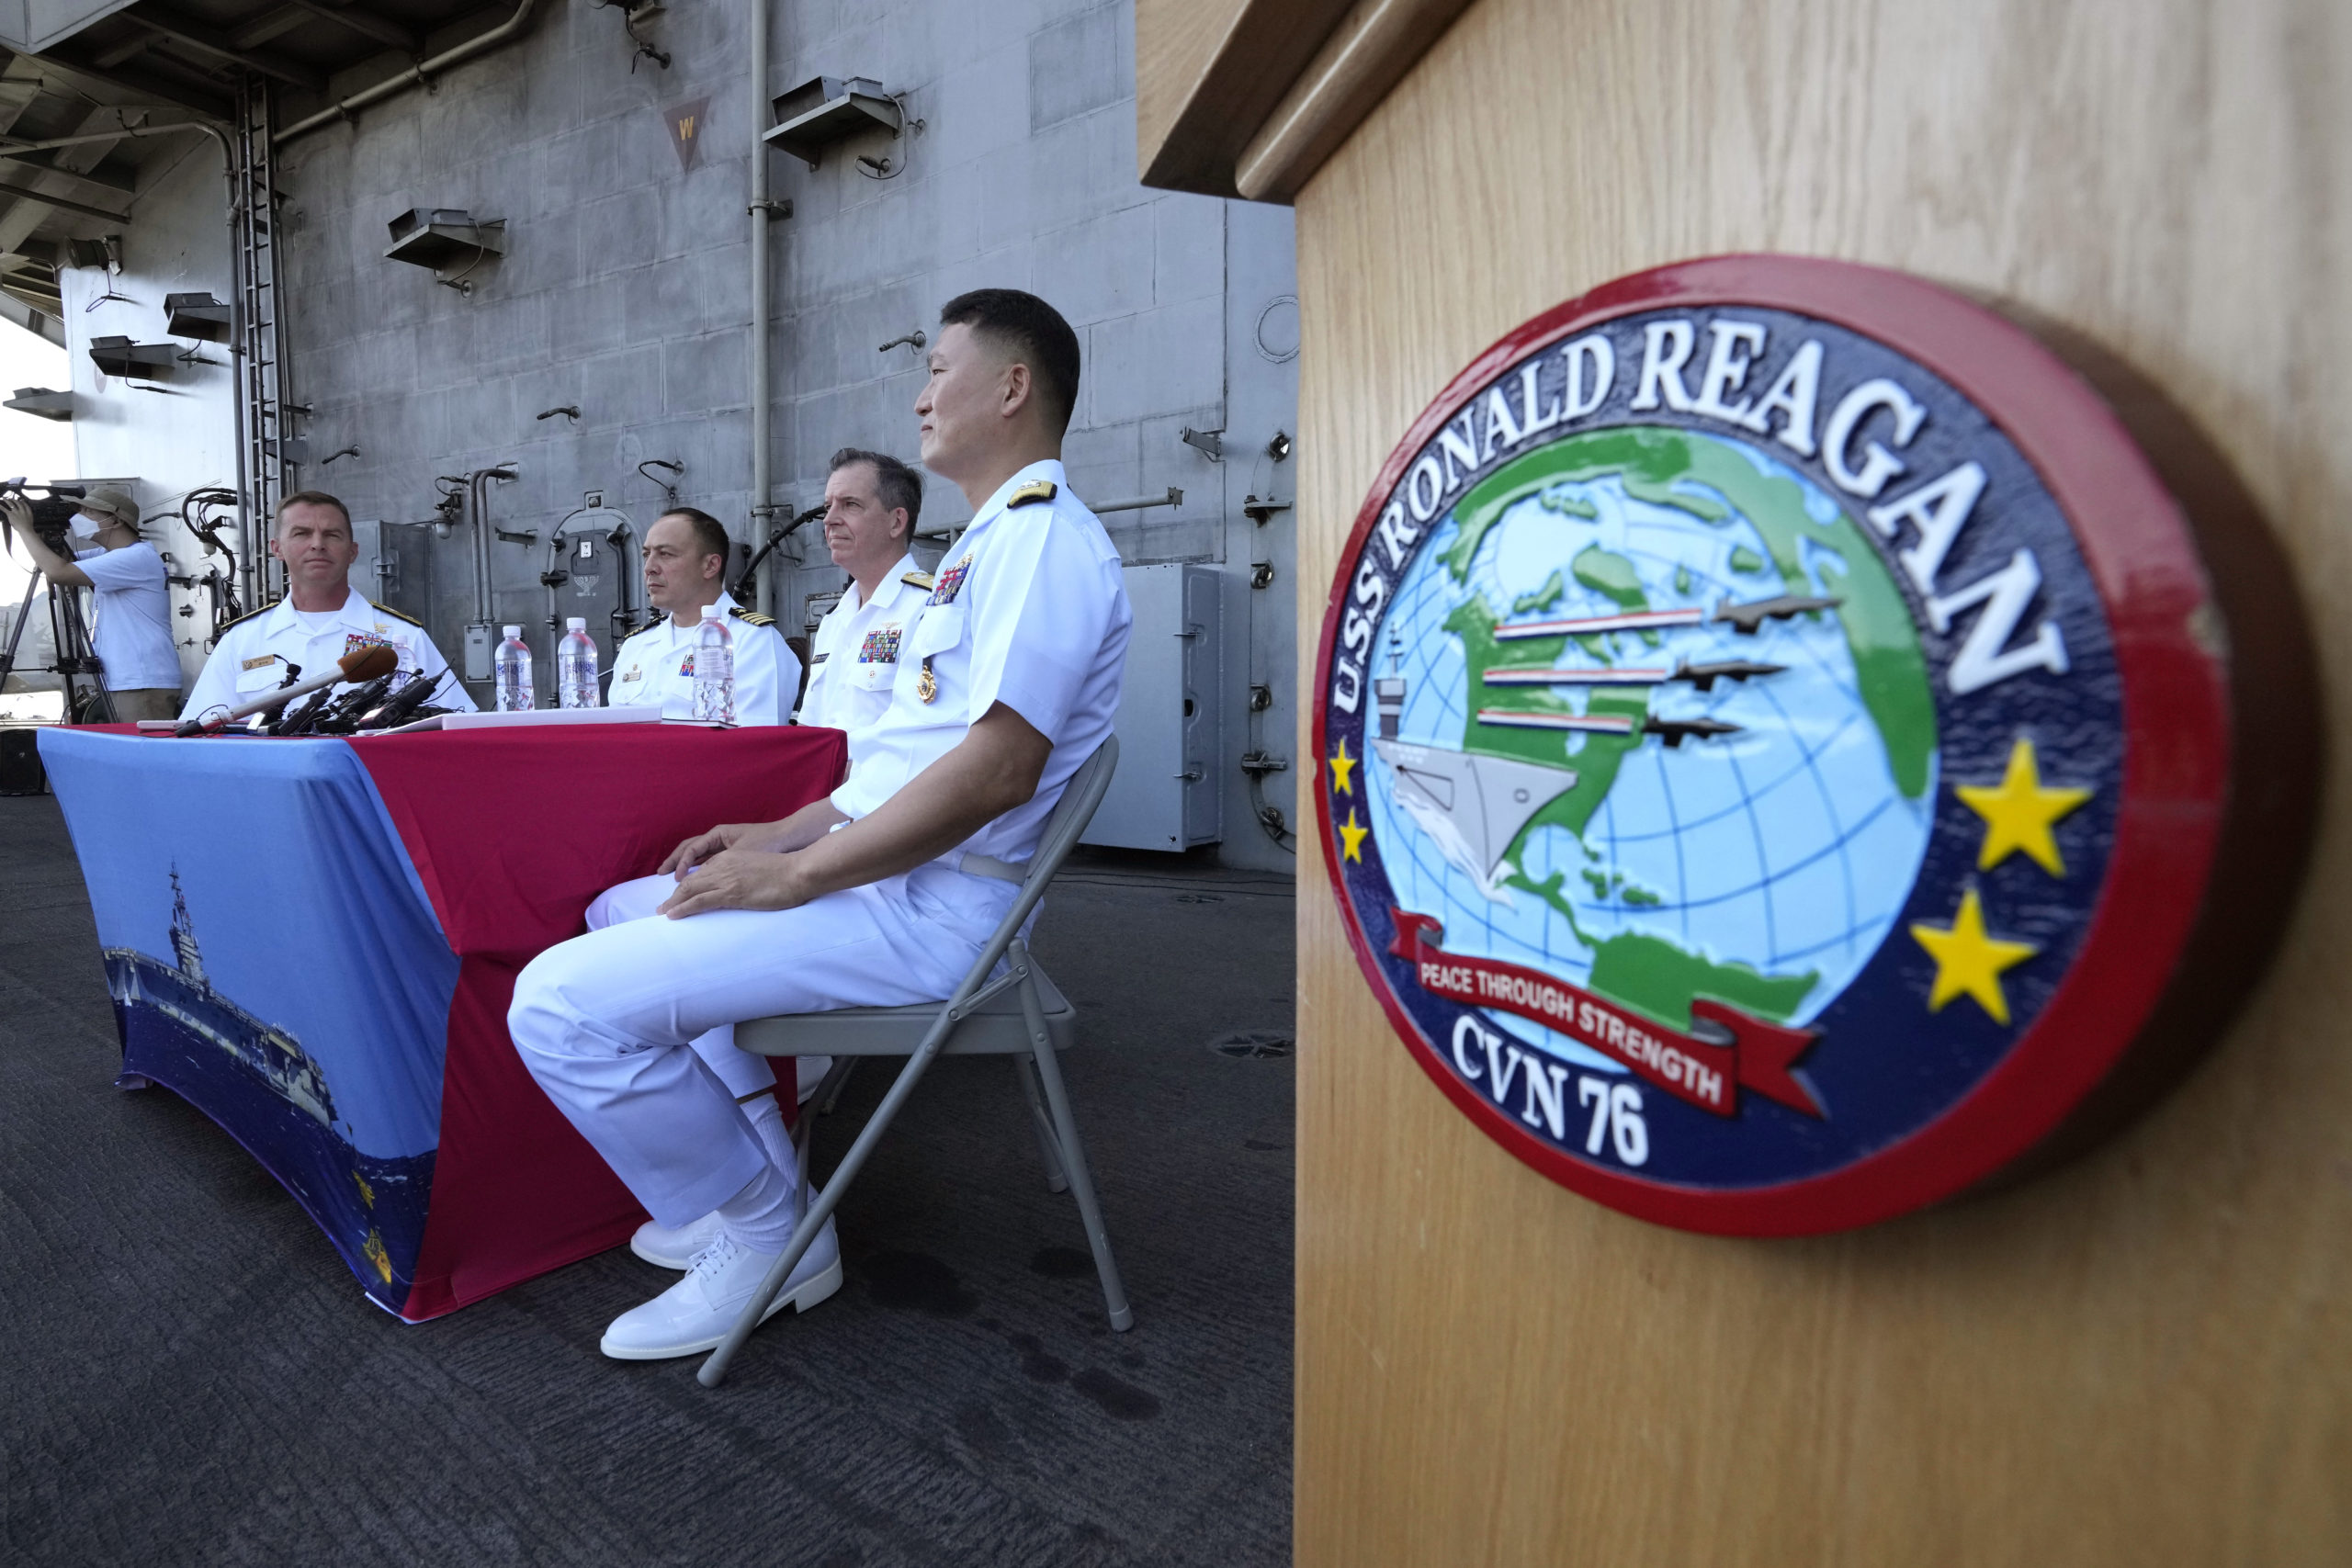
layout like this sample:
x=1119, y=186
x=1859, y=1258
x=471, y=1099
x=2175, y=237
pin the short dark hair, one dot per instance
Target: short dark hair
x=312, y=497
x=710, y=531
x=899, y=485
x=1036, y=336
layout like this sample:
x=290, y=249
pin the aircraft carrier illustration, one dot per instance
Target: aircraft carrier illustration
x=1472, y=807
x=185, y=996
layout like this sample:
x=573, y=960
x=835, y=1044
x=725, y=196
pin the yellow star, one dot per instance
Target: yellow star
x=1343, y=767
x=1968, y=961
x=2019, y=812
x=1351, y=838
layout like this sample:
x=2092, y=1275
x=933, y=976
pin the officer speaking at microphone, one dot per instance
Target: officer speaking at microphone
x=685, y=567
x=318, y=621
x=872, y=500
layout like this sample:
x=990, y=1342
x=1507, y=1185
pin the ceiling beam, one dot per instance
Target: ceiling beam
x=113, y=179
x=130, y=47
x=34, y=204
x=27, y=193
x=168, y=82
x=32, y=314
x=344, y=14
x=195, y=35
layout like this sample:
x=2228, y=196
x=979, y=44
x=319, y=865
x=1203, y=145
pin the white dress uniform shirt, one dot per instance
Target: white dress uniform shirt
x=656, y=667
x=252, y=653
x=624, y=1026
x=1028, y=609
x=131, y=628
x=855, y=655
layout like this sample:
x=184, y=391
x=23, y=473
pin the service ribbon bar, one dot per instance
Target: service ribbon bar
x=1726, y=1050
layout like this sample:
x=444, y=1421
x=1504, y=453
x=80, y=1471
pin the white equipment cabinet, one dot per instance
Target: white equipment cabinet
x=1165, y=793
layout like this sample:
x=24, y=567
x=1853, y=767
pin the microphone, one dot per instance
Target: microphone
x=364, y=664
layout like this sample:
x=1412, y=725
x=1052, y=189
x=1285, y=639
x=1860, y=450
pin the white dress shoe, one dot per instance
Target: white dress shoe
x=674, y=1246
x=694, y=1314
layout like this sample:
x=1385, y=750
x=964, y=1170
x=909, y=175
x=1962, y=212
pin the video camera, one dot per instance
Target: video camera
x=53, y=510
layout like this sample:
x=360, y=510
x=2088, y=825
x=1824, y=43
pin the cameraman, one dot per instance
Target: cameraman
x=131, y=628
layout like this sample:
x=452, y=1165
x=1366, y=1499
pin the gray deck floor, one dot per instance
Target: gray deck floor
x=191, y=1376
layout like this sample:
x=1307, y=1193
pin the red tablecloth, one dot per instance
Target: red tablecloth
x=513, y=832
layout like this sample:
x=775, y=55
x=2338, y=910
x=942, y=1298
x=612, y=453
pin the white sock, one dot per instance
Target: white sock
x=767, y=1119
x=760, y=1217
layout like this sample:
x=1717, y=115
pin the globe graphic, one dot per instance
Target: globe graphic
x=1764, y=866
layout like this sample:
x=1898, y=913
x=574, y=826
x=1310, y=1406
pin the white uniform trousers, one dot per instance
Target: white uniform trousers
x=629, y=1029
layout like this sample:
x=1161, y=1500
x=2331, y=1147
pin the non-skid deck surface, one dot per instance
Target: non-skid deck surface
x=192, y=1377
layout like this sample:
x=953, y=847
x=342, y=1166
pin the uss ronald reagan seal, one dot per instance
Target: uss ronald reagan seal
x=1784, y=751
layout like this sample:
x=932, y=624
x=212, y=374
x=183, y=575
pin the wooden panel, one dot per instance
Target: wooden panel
x=1366, y=55
x=2145, y=1358
x=1208, y=75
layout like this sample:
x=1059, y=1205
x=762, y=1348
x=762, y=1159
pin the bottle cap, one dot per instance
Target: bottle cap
x=575, y=622
x=510, y=631
x=711, y=611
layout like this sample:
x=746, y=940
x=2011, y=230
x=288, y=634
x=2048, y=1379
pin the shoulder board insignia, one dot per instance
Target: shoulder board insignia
x=252, y=614
x=751, y=616
x=916, y=578
x=1028, y=494
x=396, y=614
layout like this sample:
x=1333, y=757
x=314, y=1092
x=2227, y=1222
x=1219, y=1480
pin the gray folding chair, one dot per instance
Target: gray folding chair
x=1018, y=1014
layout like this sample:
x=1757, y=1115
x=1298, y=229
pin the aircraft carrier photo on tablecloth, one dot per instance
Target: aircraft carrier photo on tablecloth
x=255, y=1080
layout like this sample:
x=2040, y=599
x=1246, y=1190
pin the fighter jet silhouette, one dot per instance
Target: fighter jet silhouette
x=1704, y=676
x=1673, y=731
x=1747, y=618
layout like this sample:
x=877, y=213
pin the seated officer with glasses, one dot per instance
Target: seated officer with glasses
x=880, y=895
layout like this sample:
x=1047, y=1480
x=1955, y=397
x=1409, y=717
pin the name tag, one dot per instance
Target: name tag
x=634, y=674
x=264, y=661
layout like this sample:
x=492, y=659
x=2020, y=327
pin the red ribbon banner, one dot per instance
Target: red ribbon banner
x=1726, y=1050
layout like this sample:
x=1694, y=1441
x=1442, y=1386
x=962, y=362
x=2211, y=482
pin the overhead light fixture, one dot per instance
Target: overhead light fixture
x=41, y=403
x=197, y=316
x=826, y=110
x=133, y=361
x=448, y=239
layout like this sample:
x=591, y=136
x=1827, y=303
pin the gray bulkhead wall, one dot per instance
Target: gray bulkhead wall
x=625, y=291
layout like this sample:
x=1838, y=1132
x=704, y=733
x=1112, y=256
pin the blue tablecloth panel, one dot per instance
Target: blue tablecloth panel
x=273, y=959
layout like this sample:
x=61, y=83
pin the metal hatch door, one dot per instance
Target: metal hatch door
x=1165, y=796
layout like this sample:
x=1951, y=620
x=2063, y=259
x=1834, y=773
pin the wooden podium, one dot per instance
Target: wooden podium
x=2145, y=1357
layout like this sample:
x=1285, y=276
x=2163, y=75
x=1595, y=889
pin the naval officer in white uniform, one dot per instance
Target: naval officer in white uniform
x=883, y=894
x=318, y=621
x=685, y=568
x=872, y=501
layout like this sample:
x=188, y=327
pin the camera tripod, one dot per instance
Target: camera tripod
x=70, y=640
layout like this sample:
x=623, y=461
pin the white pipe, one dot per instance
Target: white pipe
x=419, y=74
x=762, y=392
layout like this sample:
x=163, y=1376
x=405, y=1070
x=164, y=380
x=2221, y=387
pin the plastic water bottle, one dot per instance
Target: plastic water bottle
x=576, y=666
x=515, y=693
x=714, y=669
